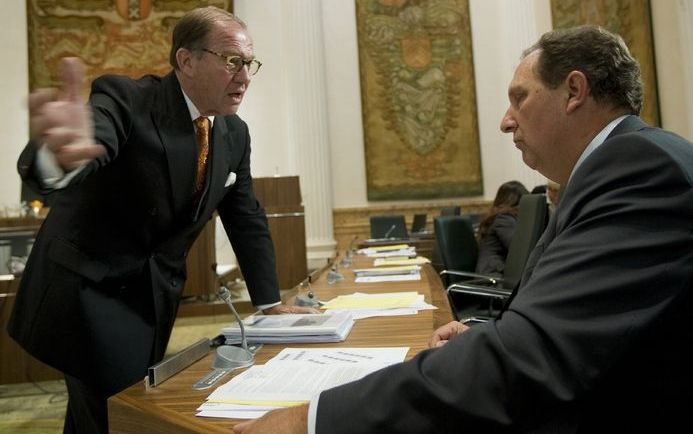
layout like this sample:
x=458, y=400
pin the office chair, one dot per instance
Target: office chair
x=531, y=222
x=457, y=246
x=418, y=224
x=388, y=226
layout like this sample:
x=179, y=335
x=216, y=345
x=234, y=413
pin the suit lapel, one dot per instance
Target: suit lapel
x=172, y=120
x=546, y=238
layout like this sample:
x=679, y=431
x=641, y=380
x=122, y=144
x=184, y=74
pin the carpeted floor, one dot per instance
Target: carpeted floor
x=39, y=408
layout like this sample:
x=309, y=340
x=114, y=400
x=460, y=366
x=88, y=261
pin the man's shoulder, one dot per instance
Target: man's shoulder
x=114, y=82
x=651, y=142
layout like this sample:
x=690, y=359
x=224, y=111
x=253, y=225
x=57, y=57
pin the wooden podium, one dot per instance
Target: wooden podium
x=281, y=198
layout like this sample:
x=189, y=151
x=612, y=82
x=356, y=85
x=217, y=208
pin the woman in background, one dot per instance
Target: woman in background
x=497, y=228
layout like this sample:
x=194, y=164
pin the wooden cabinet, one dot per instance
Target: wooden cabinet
x=281, y=198
x=201, y=263
x=16, y=365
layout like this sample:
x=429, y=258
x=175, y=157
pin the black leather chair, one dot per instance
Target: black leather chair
x=388, y=226
x=531, y=222
x=457, y=246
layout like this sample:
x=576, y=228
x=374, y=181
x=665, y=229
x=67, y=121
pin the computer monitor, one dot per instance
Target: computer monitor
x=418, y=224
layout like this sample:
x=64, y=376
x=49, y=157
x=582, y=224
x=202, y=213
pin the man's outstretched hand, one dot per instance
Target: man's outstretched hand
x=61, y=121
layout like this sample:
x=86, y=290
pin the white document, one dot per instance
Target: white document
x=393, y=278
x=388, y=271
x=293, y=377
x=383, y=356
x=409, y=252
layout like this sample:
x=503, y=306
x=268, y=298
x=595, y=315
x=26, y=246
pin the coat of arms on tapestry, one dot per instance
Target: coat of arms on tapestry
x=418, y=98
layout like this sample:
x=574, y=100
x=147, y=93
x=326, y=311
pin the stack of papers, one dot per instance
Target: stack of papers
x=400, y=260
x=292, y=328
x=293, y=377
x=361, y=305
x=388, y=251
x=388, y=274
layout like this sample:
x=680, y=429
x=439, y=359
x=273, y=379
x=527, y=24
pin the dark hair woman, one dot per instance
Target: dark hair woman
x=497, y=228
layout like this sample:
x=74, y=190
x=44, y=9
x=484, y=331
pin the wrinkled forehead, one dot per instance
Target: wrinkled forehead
x=230, y=38
x=525, y=74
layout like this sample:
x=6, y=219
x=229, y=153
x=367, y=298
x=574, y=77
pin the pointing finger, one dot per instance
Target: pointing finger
x=72, y=77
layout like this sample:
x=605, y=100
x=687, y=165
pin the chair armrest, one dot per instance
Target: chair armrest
x=493, y=280
x=485, y=291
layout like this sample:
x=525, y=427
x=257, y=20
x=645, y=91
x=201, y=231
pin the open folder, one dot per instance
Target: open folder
x=292, y=328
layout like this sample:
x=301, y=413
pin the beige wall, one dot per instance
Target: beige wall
x=14, y=86
x=495, y=26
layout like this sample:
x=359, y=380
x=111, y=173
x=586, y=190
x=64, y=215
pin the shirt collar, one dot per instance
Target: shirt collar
x=194, y=112
x=596, y=142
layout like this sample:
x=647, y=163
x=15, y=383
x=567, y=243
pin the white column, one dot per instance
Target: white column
x=308, y=122
x=522, y=31
x=686, y=28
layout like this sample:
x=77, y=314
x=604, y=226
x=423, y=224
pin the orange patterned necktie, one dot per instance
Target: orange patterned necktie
x=202, y=134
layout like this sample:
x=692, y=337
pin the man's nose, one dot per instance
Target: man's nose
x=242, y=76
x=508, y=123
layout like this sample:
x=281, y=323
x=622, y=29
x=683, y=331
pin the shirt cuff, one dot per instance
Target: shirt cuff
x=51, y=174
x=313, y=414
x=262, y=307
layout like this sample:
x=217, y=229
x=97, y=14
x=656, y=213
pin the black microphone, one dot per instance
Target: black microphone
x=389, y=231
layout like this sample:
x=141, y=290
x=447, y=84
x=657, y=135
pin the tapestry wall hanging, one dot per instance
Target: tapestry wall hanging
x=418, y=97
x=128, y=37
x=629, y=18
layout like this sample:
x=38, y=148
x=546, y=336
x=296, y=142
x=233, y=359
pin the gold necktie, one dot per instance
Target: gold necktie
x=202, y=134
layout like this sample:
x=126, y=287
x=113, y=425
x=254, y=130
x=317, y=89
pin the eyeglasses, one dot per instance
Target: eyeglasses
x=235, y=63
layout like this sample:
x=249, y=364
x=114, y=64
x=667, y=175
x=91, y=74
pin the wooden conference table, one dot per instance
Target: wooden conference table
x=170, y=407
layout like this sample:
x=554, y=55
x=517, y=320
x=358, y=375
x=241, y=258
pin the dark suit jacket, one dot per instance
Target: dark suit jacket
x=100, y=290
x=599, y=335
x=493, y=248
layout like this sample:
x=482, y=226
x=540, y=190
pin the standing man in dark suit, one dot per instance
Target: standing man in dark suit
x=100, y=292
x=598, y=337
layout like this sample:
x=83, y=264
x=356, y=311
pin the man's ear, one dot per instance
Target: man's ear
x=184, y=58
x=578, y=90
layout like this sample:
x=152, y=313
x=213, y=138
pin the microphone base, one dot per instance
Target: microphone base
x=305, y=301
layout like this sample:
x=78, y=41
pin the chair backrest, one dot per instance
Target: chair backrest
x=531, y=222
x=456, y=243
x=419, y=223
x=450, y=210
x=388, y=226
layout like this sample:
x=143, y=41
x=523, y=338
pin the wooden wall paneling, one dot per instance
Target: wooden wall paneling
x=350, y=223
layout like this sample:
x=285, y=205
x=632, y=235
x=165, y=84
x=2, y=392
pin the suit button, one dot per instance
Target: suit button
x=174, y=283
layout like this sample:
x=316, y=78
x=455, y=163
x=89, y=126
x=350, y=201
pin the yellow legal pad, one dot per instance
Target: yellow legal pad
x=372, y=301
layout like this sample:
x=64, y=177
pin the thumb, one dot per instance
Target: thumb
x=72, y=78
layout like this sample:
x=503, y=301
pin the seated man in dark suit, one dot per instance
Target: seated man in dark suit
x=597, y=337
